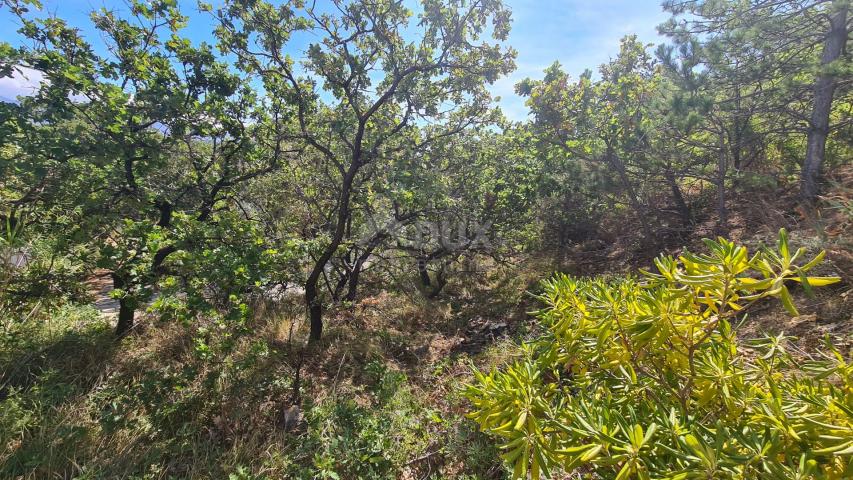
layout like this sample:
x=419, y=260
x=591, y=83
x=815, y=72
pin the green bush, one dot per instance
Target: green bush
x=645, y=378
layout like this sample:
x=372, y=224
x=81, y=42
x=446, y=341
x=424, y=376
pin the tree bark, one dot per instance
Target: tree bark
x=824, y=89
x=633, y=199
x=315, y=311
x=722, y=164
x=678, y=198
x=737, y=143
x=339, y=287
x=352, y=284
x=354, y=275
x=126, y=308
x=312, y=299
x=423, y=273
x=126, y=312
x=440, y=282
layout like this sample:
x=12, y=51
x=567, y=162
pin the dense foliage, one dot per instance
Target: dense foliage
x=382, y=149
x=222, y=179
x=645, y=378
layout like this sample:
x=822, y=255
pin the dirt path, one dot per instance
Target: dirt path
x=100, y=287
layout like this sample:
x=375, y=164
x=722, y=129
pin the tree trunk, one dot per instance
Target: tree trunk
x=312, y=299
x=126, y=312
x=352, y=284
x=633, y=199
x=824, y=89
x=737, y=143
x=339, y=287
x=440, y=282
x=126, y=308
x=315, y=312
x=722, y=164
x=678, y=198
x=352, y=281
x=423, y=273
x=355, y=274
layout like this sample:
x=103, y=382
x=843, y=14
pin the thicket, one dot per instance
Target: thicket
x=646, y=378
x=328, y=154
x=380, y=152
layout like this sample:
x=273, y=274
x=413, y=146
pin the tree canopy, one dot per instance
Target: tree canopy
x=214, y=181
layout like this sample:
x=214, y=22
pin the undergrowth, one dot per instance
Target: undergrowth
x=77, y=404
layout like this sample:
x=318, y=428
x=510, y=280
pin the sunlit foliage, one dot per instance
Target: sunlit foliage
x=645, y=378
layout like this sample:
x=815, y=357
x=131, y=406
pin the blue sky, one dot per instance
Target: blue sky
x=580, y=34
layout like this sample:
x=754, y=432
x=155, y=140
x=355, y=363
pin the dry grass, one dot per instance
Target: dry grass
x=151, y=407
x=154, y=406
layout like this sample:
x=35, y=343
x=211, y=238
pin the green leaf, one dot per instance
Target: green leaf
x=787, y=301
x=783, y=245
x=818, y=281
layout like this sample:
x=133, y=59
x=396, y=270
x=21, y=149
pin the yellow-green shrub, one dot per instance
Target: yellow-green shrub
x=644, y=378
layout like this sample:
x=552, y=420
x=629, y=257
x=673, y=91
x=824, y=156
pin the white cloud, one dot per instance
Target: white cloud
x=23, y=82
